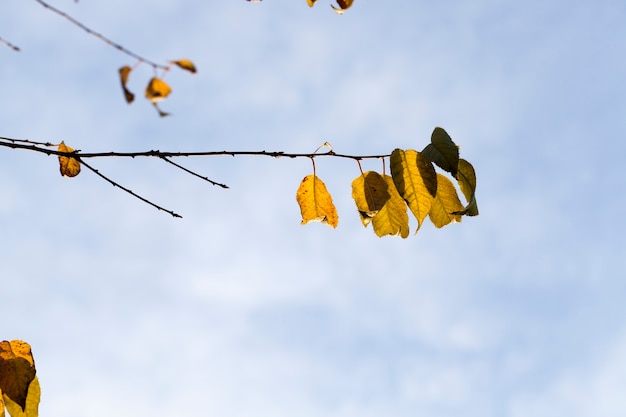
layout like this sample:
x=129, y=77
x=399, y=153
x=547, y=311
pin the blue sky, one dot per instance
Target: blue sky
x=237, y=309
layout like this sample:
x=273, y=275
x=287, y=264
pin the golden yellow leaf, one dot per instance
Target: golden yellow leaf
x=17, y=370
x=32, y=402
x=157, y=90
x=370, y=193
x=316, y=203
x=343, y=6
x=311, y=2
x=69, y=166
x=446, y=203
x=186, y=64
x=392, y=219
x=416, y=181
x=124, y=73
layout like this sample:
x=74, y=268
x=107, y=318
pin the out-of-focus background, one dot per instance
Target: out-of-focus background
x=238, y=310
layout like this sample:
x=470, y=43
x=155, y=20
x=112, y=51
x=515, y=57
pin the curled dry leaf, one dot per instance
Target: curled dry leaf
x=124, y=73
x=17, y=371
x=186, y=64
x=343, y=6
x=69, y=166
x=157, y=90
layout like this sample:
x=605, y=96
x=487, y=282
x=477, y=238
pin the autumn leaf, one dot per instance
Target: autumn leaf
x=446, y=204
x=17, y=371
x=392, y=219
x=187, y=64
x=157, y=90
x=316, y=203
x=311, y=2
x=343, y=6
x=370, y=193
x=32, y=402
x=442, y=151
x=466, y=176
x=69, y=166
x=416, y=181
x=124, y=73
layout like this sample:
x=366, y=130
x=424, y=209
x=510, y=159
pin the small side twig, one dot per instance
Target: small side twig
x=102, y=37
x=115, y=184
x=9, y=44
x=193, y=173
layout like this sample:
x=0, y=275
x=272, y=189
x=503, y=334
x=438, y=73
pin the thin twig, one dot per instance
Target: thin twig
x=193, y=173
x=101, y=37
x=9, y=44
x=115, y=184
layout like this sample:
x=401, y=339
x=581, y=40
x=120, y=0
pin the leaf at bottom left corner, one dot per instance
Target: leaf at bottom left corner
x=32, y=402
x=69, y=166
x=316, y=203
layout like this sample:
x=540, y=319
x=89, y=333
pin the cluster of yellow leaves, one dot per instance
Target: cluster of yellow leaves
x=343, y=5
x=157, y=89
x=19, y=386
x=383, y=200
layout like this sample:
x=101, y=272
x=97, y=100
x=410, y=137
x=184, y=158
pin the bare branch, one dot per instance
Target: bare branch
x=101, y=37
x=30, y=145
x=10, y=45
x=51, y=149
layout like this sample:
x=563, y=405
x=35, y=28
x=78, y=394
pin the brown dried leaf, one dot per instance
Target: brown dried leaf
x=343, y=6
x=69, y=166
x=186, y=64
x=17, y=370
x=124, y=73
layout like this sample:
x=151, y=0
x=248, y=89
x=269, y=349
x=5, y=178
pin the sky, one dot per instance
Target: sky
x=237, y=309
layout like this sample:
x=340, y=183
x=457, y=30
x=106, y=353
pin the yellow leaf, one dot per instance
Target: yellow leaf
x=392, y=219
x=466, y=176
x=17, y=370
x=343, y=6
x=157, y=90
x=186, y=64
x=316, y=203
x=311, y=2
x=370, y=193
x=69, y=166
x=416, y=181
x=124, y=73
x=445, y=204
x=32, y=402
